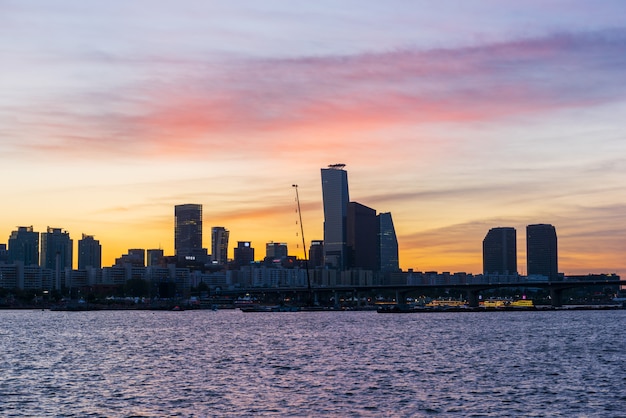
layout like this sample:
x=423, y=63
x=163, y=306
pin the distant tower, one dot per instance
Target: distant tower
x=276, y=250
x=335, y=199
x=500, y=251
x=153, y=257
x=24, y=246
x=244, y=253
x=362, y=237
x=188, y=231
x=388, y=244
x=56, y=249
x=316, y=254
x=541, y=251
x=219, y=245
x=89, y=252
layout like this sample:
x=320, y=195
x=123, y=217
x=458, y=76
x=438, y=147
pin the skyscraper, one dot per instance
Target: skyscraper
x=57, y=250
x=387, y=243
x=188, y=231
x=24, y=246
x=219, y=245
x=362, y=237
x=541, y=251
x=89, y=252
x=335, y=199
x=276, y=250
x=244, y=253
x=500, y=251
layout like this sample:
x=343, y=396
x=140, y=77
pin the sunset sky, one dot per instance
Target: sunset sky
x=455, y=116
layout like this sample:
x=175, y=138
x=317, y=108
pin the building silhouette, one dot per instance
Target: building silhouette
x=316, y=254
x=500, y=251
x=276, y=250
x=136, y=257
x=388, y=260
x=244, y=253
x=542, y=251
x=153, y=257
x=23, y=246
x=56, y=249
x=335, y=201
x=188, y=232
x=89, y=252
x=219, y=245
x=362, y=237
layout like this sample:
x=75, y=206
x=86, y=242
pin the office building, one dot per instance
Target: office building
x=276, y=250
x=153, y=257
x=388, y=260
x=500, y=251
x=4, y=254
x=24, y=246
x=136, y=257
x=542, y=251
x=244, y=253
x=219, y=245
x=316, y=254
x=335, y=201
x=89, y=252
x=188, y=232
x=362, y=237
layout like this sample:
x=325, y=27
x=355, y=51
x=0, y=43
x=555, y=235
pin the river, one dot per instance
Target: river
x=230, y=363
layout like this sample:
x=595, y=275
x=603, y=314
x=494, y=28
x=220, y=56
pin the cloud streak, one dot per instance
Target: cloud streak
x=212, y=105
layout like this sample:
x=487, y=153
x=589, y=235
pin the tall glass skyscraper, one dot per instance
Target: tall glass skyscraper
x=219, y=245
x=335, y=200
x=500, y=251
x=541, y=251
x=188, y=230
x=387, y=244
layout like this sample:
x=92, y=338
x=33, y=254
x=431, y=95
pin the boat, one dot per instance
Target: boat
x=446, y=304
x=521, y=304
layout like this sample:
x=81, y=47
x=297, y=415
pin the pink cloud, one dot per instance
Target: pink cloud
x=204, y=106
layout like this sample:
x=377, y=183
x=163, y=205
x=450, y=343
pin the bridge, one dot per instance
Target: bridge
x=471, y=290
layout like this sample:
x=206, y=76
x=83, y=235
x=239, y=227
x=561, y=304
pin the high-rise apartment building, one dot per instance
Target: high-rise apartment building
x=24, y=246
x=500, y=251
x=219, y=245
x=188, y=232
x=362, y=237
x=244, y=253
x=89, y=252
x=542, y=251
x=56, y=249
x=387, y=244
x=335, y=200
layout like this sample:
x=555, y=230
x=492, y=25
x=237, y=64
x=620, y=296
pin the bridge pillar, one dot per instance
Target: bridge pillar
x=399, y=300
x=472, y=298
x=336, y=297
x=556, y=297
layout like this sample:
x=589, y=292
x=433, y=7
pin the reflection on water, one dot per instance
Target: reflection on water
x=229, y=363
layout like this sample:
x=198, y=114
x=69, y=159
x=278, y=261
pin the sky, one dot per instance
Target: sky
x=456, y=117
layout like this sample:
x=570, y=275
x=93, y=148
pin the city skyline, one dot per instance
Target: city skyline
x=455, y=118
